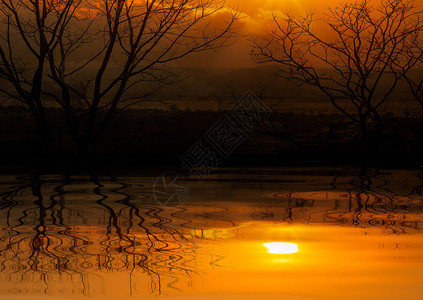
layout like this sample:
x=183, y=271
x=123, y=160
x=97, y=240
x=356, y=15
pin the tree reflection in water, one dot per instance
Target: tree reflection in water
x=364, y=200
x=58, y=229
x=57, y=237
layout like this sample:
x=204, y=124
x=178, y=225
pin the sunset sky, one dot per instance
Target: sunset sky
x=256, y=18
x=258, y=12
x=256, y=15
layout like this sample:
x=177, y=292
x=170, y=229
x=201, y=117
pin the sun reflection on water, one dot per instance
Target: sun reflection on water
x=281, y=248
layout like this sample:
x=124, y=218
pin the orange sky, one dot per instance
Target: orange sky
x=258, y=11
x=256, y=16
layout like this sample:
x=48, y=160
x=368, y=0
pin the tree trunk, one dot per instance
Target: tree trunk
x=364, y=134
x=43, y=130
x=84, y=146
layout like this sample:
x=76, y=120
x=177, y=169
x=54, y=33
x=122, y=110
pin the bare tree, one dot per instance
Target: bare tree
x=92, y=59
x=412, y=69
x=349, y=56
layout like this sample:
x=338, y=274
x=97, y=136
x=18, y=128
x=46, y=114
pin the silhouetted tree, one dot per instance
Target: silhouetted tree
x=91, y=59
x=412, y=69
x=348, y=54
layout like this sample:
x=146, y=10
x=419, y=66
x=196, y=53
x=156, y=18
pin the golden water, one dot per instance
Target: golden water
x=256, y=234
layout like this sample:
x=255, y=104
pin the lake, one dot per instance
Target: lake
x=241, y=233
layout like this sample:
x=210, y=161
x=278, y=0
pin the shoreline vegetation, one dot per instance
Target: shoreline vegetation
x=155, y=137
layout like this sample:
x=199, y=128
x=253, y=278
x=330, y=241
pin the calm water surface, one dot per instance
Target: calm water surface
x=286, y=233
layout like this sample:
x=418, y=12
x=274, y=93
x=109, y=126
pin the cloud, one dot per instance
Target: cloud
x=257, y=14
